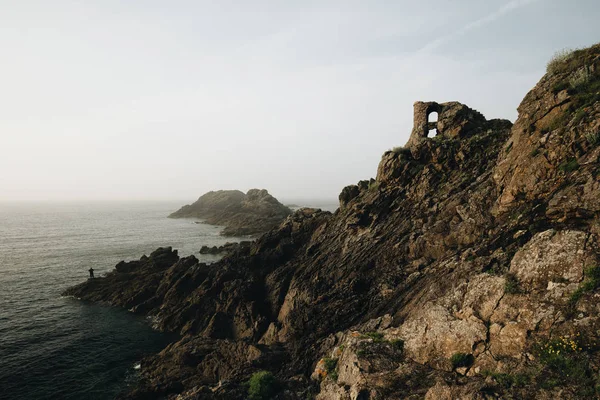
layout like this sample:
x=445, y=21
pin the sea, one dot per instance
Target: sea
x=54, y=347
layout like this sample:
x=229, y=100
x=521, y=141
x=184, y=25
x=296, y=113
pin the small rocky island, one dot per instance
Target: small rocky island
x=468, y=269
x=252, y=213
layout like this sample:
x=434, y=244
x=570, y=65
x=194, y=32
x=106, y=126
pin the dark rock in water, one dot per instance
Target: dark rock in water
x=449, y=276
x=226, y=248
x=210, y=250
x=132, y=283
x=241, y=214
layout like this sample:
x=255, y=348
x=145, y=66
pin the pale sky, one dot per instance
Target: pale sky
x=140, y=99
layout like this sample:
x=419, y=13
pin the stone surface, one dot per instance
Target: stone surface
x=552, y=256
x=241, y=214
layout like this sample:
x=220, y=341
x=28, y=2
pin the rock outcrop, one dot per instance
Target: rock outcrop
x=224, y=249
x=241, y=214
x=468, y=269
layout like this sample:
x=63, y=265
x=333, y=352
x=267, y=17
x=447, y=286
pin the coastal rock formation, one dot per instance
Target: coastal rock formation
x=224, y=249
x=241, y=214
x=468, y=269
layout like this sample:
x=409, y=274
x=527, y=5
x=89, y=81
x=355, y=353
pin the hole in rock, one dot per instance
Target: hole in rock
x=432, y=119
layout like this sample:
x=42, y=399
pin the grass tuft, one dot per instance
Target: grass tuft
x=593, y=138
x=376, y=336
x=569, y=165
x=508, y=380
x=591, y=282
x=331, y=367
x=459, y=360
x=558, y=59
x=511, y=284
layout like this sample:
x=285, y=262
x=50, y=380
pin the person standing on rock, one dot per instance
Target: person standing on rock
x=91, y=272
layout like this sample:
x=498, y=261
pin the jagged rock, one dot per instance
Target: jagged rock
x=472, y=242
x=241, y=214
x=347, y=194
x=226, y=248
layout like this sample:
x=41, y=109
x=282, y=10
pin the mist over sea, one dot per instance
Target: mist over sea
x=53, y=347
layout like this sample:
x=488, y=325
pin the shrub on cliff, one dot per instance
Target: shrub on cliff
x=557, y=59
x=564, y=360
x=401, y=150
x=262, y=386
x=590, y=283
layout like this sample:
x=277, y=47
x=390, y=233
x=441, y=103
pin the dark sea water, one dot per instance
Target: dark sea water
x=53, y=347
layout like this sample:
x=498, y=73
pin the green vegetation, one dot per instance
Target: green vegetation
x=331, y=367
x=401, y=150
x=579, y=115
x=262, y=386
x=376, y=336
x=593, y=138
x=583, y=85
x=508, y=380
x=509, y=147
x=461, y=360
x=494, y=270
x=564, y=361
x=560, y=86
x=569, y=165
x=398, y=344
x=511, y=284
x=585, y=94
x=373, y=185
x=558, y=60
x=580, y=78
x=568, y=60
x=374, y=346
x=590, y=282
x=535, y=152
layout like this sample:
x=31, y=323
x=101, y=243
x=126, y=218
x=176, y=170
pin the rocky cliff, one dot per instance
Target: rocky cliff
x=468, y=269
x=241, y=214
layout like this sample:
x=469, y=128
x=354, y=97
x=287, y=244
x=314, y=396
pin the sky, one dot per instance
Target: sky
x=164, y=100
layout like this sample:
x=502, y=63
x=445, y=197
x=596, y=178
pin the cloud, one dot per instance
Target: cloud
x=478, y=23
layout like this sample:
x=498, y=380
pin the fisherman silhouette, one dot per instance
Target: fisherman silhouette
x=91, y=272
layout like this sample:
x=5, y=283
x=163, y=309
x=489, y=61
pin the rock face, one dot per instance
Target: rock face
x=226, y=248
x=241, y=214
x=467, y=270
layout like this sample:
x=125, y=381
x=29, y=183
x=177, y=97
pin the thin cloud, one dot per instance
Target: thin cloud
x=478, y=23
